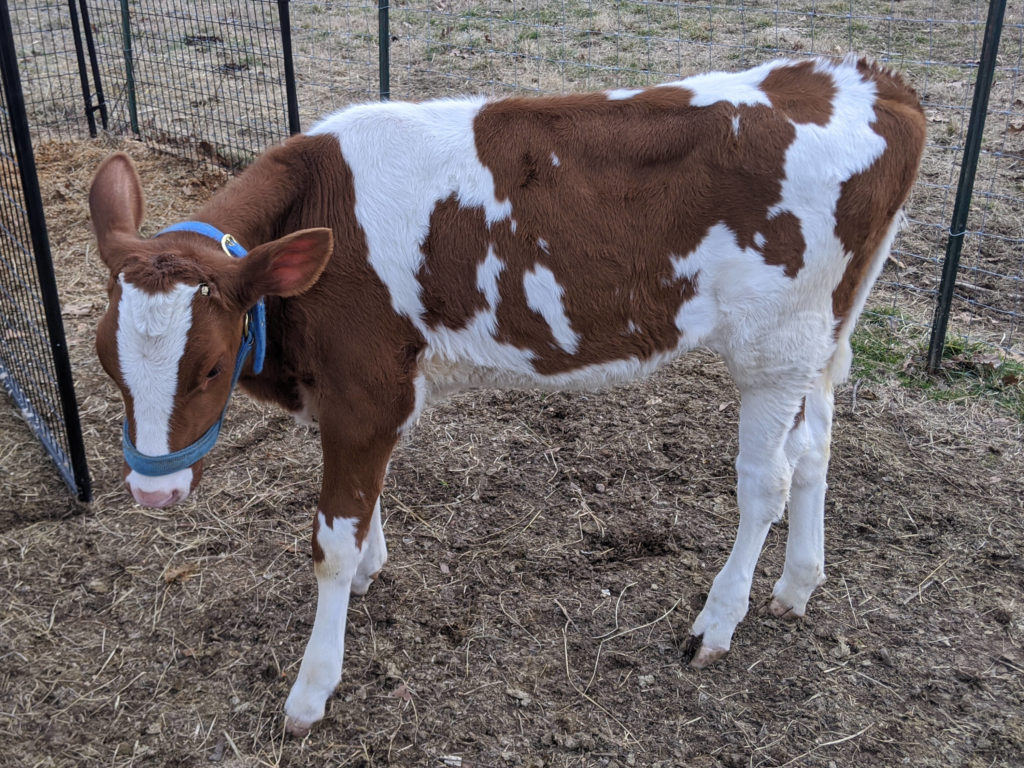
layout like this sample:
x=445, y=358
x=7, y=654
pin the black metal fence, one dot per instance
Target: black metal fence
x=205, y=79
x=34, y=365
x=219, y=80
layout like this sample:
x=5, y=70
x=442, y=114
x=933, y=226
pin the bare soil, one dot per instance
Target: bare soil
x=547, y=556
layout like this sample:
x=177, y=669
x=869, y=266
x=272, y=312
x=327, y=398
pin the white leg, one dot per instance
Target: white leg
x=320, y=671
x=373, y=555
x=805, y=546
x=763, y=478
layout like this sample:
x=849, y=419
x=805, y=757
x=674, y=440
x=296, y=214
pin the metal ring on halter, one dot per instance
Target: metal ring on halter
x=227, y=243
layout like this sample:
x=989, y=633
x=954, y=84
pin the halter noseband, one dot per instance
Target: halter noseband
x=254, y=339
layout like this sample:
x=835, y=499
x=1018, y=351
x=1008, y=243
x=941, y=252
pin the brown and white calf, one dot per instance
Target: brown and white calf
x=408, y=250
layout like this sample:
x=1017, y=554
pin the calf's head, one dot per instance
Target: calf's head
x=174, y=325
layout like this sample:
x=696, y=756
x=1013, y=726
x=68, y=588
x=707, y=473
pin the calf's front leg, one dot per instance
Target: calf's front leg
x=373, y=555
x=348, y=551
x=335, y=561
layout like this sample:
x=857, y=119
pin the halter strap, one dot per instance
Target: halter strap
x=258, y=314
x=254, y=339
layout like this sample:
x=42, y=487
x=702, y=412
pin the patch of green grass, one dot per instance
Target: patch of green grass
x=539, y=16
x=969, y=370
x=582, y=12
x=435, y=51
x=760, y=22
x=887, y=346
x=878, y=352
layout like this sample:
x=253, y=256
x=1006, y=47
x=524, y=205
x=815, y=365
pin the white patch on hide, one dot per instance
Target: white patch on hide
x=544, y=296
x=621, y=94
x=152, y=330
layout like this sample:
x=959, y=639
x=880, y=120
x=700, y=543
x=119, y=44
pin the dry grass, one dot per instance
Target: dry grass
x=548, y=554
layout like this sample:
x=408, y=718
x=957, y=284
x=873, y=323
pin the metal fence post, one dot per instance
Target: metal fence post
x=129, y=67
x=289, y=67
x=965, y=187
x=97, y=83
x=384, y=49
x=76, y=33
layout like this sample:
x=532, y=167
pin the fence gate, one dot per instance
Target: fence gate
x=34, y=365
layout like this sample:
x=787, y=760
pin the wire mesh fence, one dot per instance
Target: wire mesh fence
x=47, y=59
x=207, y=80
x=335, y=46
x=34, y=367
x=203, y=78
x=200, y=78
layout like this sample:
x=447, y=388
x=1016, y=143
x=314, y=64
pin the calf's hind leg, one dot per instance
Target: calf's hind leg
x=808, y=448
x=763, y=479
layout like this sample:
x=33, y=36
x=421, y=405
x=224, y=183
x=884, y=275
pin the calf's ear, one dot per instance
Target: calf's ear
x=115, y=199
x=116, y=206
x=287, y=266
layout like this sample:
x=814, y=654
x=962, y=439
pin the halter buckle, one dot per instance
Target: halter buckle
x=227, y=243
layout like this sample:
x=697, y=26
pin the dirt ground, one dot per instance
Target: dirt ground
x=547, y=556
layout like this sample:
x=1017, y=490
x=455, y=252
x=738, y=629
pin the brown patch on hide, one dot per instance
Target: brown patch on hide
x=640, y=181
x=801, y=414
x=784, y=243
x=318, y=551
x=450, y=295
x=801, y=93
x=870, y=200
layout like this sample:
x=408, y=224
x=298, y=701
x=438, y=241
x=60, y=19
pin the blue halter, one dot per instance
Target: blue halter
x=254, y=339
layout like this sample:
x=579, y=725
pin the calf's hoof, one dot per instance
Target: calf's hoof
x=781, y=610
x=304, y=708
x=701, y=655
x=361, y=584
x=296, y=728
